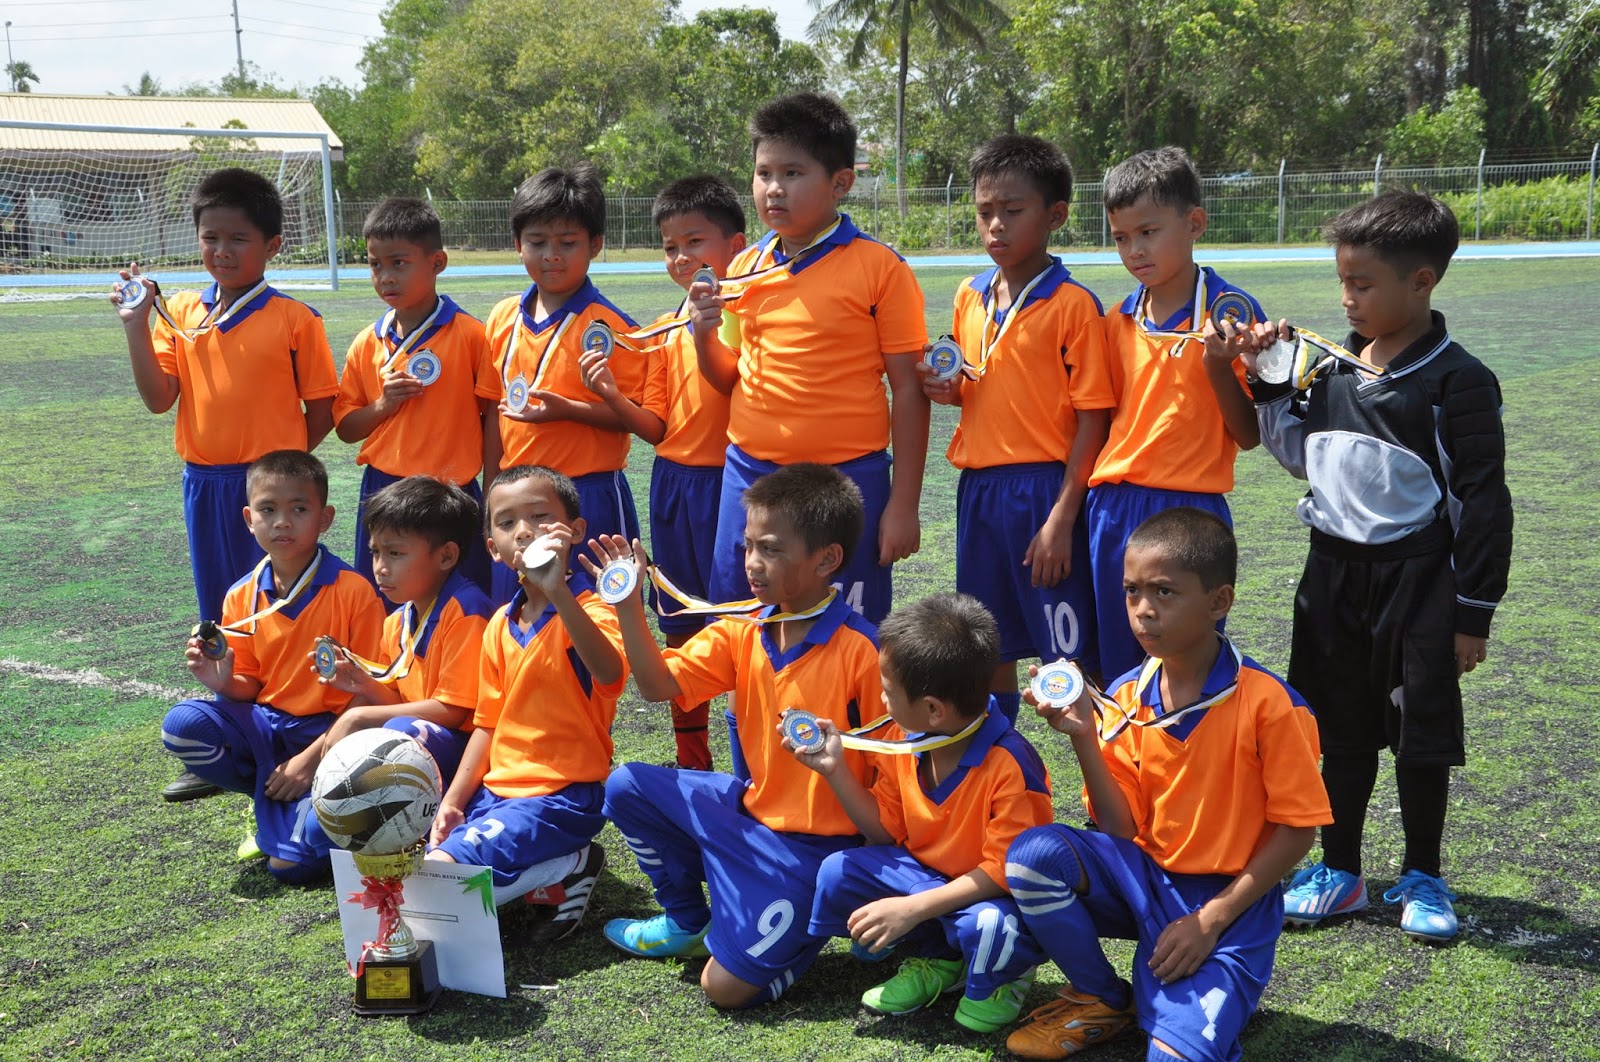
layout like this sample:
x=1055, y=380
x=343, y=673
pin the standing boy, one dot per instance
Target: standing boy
x=1172, y=441
x=408, y=390
x=425, y=679
x=558, y=222
x=702, y=227
x=821, y=314
x=266, y=730
x=1200, y=773
x=753, y=842
x=1410, y=520
x=526, y=800
x=1036, y=388
x=250, y=371
x=930, y=882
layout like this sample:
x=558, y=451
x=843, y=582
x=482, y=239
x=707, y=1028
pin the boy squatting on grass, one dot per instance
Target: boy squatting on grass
x=250, y=371
x=685, y=418
x=1200, y=772
x=266, y=730
x=930, y=881
x=1411, y=525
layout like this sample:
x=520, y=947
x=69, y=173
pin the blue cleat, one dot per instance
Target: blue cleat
x=1319, y=892
x=1429, y=914
x=656, y=938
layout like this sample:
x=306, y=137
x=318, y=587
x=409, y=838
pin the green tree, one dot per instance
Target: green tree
x=1568, y=87
x=946, y=20
x=1452, y=135
x=21, y=73
x=510, y=86
x=147, y=86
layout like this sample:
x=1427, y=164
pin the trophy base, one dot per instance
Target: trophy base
x=393, y=987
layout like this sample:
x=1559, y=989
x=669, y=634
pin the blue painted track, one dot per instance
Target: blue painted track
x=513, y=268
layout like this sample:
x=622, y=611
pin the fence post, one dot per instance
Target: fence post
x=1477, y=223
x=1377, y=175
x=949, y=239
x=1588, y=224
x=429, y=193
x=1282, y=163
x=1105, y=238
x=624, y=246
x=876, y=230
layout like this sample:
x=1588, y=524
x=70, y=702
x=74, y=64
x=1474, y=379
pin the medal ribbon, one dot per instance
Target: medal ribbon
x=246, y=627
x=1306, y=371
x=1105, y=707
x=991, y=311
x=745, y=610
x=857, y=739
x=215, y=317
x=506, y=375
x=413, y=339
x=746, y=282
x=1143, y=316
x=400, y=667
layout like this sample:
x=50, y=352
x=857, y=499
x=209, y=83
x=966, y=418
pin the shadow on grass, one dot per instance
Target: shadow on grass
x=1526, y=932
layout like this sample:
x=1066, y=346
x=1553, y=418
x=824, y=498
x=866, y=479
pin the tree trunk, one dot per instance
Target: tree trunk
x=900, y=110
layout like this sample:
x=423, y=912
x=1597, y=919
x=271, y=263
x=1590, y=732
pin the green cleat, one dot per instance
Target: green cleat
x=998, y=1010
x=918, y=982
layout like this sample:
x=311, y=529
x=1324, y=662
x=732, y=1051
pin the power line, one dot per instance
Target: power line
x=131, y=36
x=315, y=40
x=121, y=22
x=301, y=25
x=376, y=9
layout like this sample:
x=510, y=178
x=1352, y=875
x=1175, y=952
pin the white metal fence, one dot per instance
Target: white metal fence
x=1553, y=200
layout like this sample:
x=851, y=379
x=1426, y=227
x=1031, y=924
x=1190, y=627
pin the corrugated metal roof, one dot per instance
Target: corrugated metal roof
x=201, y=112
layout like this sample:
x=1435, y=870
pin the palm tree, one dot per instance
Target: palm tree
x=945, y=19
x=21, y=72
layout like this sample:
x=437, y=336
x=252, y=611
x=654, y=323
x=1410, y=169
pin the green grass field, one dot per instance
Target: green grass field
x=130, y=932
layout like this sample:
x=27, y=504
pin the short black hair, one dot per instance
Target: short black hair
x=288, y=464
x=422, y=505
x=243, y=190
x=702, y=194
x=564, y=488
x=812, y=122
x=1031, y=157
x=404, y=217
x=1406, y=229
x=1199, y=541
x=560, y=195
x=821, y=503
x=1165, y=175
x=945, y=646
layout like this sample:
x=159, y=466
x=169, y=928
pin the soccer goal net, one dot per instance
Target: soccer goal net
x=87, y=199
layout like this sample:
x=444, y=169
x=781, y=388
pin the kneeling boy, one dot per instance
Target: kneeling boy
x=754, y=841
x=1201, y=774
x=931, y=881
x=526, y=799
x=265, y=732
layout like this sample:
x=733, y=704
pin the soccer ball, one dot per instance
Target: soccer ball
x=376, y=792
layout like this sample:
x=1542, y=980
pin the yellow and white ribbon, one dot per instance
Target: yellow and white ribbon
x=1113, y=718
x=215, y=317
x=404, y=347
x=800, y=727
x=506, y=373
x=744, y=283
x=988, y=342
x=747, y=610
x=246, y=627
x=400, y=667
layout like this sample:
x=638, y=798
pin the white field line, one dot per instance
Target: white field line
x=91, y=678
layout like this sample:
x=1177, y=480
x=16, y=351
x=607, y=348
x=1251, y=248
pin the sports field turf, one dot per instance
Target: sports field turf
x=127, y=931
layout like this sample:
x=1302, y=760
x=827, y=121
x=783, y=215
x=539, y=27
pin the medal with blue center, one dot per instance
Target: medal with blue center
x=617, y=581
x=944, y=357
x=1232, y=308
x=213, y=643
x=597, y=335
x=326, y=657
x=707, y=276
x=1058, y=684
x=800, y=727
x=132, y=292
x=425, y=366
x=411, y=634
x=517, y=394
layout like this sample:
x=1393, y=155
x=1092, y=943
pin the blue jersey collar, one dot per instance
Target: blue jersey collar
x=824, y=627
x=586, y=295
x=208, y=299
x=577, y=582
x=447, y=312
x=1055, y=276
x=840, y=237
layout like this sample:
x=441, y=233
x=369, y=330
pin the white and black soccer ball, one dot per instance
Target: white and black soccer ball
x=376, y=792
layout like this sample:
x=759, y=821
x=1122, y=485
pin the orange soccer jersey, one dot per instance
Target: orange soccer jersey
x=449, y=646
x=338, y=603
x=832, y=673
x=551, y=719
x=811, y=347
x=1167, y=432
x=437, y=433
x=241, y=384
x=970, y=818
x=545, y=353
x=1041, y=368
x=1203, y=789
x=695, y=413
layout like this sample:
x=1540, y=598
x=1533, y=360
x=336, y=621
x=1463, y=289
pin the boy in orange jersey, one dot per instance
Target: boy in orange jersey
x=547, y=415
x=702, y=227
x=266, y=730
x=1036, y=390
x=526, y=800
x=930, y=882
x=821, y=313
x=756, y=841
x=408, y=392
x=1200, y=771
x=420, y=528
x=249, y=369
x=1173, y=440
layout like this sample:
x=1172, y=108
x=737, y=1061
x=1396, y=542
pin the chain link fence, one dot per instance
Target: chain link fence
x=1549, y=200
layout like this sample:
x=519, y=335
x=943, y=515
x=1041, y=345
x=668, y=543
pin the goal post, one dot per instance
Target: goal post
x=69, y=208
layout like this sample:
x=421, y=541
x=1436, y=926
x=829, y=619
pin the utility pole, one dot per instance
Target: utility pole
x=11, y=63
x=238, y=41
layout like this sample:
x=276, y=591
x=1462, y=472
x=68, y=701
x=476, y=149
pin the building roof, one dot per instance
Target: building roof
x=200, y=112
